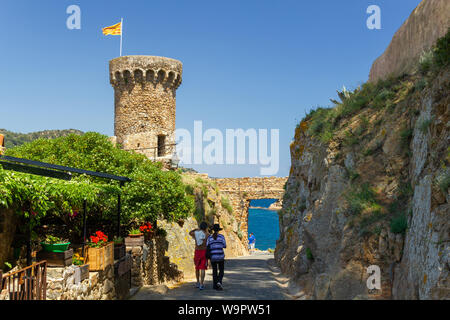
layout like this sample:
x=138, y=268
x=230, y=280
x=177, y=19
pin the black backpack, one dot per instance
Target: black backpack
x=208, y=251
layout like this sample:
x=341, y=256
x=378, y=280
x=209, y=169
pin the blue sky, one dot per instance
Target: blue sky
x=246, y=64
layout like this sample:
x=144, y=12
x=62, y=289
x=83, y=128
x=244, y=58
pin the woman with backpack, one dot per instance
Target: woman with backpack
x=215, y=245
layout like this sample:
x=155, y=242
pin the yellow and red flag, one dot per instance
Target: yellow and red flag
x=115, y=30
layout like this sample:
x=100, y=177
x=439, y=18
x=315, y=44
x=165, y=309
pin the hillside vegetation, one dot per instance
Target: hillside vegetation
x=369, y=185
x=14, y=139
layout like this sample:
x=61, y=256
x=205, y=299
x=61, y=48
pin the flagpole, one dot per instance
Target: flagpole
x=121, y=32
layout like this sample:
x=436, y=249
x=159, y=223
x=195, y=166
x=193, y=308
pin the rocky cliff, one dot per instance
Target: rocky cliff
x=428, y=22
x=369, y=186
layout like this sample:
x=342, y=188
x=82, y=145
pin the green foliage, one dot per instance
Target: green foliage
x=405, y=137
x=437, y=57
x=350, y=139
x=226, y=204
x=405, y=190
x=200, y=180
x=362, y=198
x=352, y=174
x=420, y=84
x=368, y=220
x=426, y=61
x=399, y=223
x=368, y=151
x=152, y=194
x=424, y=125
x=442, y=51
x=49, y=239
x=381, y=100
x=199, y=214
x=212, y=212
x=309, y=254
x=444, y=181
x=161, y=232
x=205, y=191
x=117, y=240
x=324, y=121
x=189, y=189
x=8, y=266
x=13, y=139
x=134, y=231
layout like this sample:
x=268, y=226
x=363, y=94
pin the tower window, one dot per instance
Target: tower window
x=161, y=145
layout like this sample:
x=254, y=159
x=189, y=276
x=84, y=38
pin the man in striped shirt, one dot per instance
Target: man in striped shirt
x=216, y=243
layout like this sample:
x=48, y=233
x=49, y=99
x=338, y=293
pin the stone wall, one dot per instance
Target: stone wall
x=145, y=104
x=428, y=22
x=241, y=190
x=65, y=284
x=152, y=265
x=109, y=284
x=61, y=284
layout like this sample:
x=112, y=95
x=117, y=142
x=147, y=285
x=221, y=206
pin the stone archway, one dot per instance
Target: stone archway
x=241, y=190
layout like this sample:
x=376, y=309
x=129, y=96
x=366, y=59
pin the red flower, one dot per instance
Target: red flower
x=146, y=227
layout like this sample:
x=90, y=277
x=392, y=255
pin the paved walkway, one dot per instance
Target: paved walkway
x=253, y=277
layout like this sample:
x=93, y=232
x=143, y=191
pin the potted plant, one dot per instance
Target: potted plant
x=135, y=238
x=55, y=251
x=82, y=272
x=135, y=233
x=100, y=252
x=147, y=230
x=119, y=248
x=54, y=244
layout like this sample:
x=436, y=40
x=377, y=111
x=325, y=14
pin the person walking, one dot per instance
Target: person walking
x=216, y=243
x=251, y=242
x=201, y=263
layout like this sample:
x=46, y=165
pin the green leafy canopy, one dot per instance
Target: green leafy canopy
x=153, y=193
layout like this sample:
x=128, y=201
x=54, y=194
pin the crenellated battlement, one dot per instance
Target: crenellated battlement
x=140, y=69
x=145, y=103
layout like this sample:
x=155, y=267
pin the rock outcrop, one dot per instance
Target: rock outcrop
x=369, y=185
x=428, y=22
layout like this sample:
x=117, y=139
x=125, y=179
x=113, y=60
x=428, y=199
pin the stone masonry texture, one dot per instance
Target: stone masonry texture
x=428, y=22
x=144, y=98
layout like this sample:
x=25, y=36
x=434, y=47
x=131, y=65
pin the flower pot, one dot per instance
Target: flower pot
x=55, y=247
x=135, y=235
x=99, y=258
x=134, y=241
x=56, y=258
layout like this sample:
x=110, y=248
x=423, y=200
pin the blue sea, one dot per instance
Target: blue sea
x=264, y=224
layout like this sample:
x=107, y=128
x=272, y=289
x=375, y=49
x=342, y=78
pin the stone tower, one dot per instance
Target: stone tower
x=144, y=103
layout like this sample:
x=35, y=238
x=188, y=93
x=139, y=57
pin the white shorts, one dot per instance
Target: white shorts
x=251, y=246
